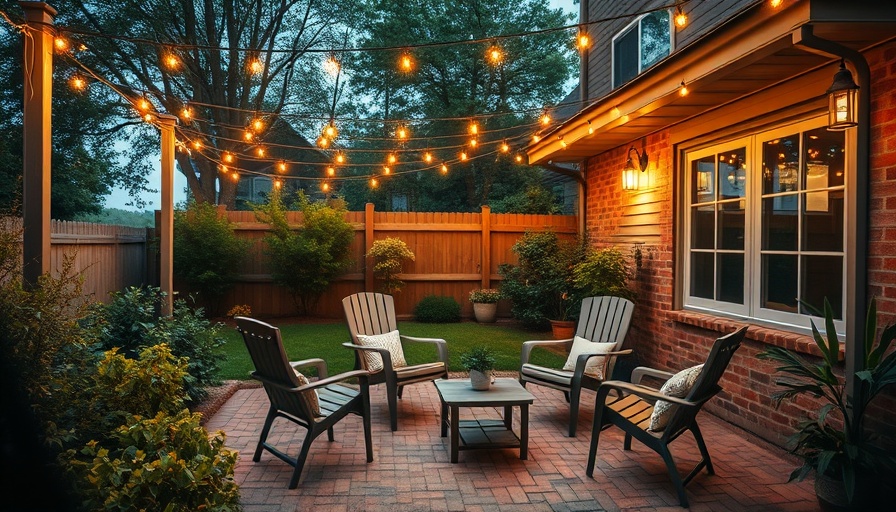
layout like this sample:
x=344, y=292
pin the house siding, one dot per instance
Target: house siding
x=667, y=338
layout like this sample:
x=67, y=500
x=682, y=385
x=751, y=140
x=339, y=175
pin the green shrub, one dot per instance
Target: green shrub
x=129, y=322
x=535, y=199
x=166, y=462
x=389, y=254
x=437, y=309
x=603, y=272
x=207, y=252
x=306, y=261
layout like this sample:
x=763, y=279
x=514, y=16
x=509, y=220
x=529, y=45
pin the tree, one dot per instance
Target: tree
x=455, y=83
x=213, y=63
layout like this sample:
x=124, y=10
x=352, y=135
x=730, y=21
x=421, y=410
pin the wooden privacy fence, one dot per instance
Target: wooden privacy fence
x=454, y=253
x=109, y=258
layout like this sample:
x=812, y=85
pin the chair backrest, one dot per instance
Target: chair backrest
x=369, y=313
x=271, y=363
x=707, y=384
x=605, y=318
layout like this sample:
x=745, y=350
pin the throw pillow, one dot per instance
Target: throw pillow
x=595, y=365
x=679, y=385
x=309, y=397
x=390, y=341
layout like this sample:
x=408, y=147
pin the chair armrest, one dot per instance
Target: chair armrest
x=641, y=391
x=361, y=375
x=317, y=362
x=383, y=352
x=643, y=371
x=529, y=345
x=441, y=345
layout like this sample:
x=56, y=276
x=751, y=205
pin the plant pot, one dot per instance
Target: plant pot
x=480, y=381
x=485, y=313
x=831, y=493
x=563, y=329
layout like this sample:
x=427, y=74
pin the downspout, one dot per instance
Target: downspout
x=857, y=209
x=584, y=18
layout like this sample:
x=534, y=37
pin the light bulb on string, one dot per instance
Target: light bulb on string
x=545, y=119
x=495, y=54
x=444, y=169
x=387, y=170
x=463, y=156
x=330, y=131
x=332, y=65
x=235, y=176
x=77, y=82
x=281, y=166
x=143, y=104
x=373, y=183
x=61, y=44
x=323, y=142
x=474, y=128
x=505, y=148
x=257, y=124
x=171, y=61
x=681, y=19
x=402, y=133
x=683, y=89
x=536, y=138
x=278, y=184
x=331, y=171
x=519, y=158
x=223, y=169
x=186, y=114
x=406, y=62
x=590, y=128
x=391, y=159
x=325, y=186
x=427, y=157
x=148, y=117
x=474, y=142
x=248, y=136
x=260, y=151
x=255, y=66
x=776, y=3
x=340, y=158
x=582, y=40
x=197, y=144
x=227, y=157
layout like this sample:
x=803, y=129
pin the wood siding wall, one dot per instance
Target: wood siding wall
x=110, y=258
x=454, y=253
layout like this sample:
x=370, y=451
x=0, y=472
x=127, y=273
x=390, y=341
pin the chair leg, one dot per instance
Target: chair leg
x=627, y=444
x=365, y=419
x=265, y=430
x=400, y=391
x=573, y=396
x=300, y=461
x=391, y=397
x=664, y=452
x=330, y=437
x=703, y=451
x=566, y=395
x=596, y=429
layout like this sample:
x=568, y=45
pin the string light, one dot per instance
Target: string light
x=77, y=82
x=386, y=170
x=683, y=89
x=331, y=65
x=536, y=138
x=248, y=136
x=681, y=19
x=143, y=104
x=255, y=66
x=545, y=119
x=427, y=157
x=583, y=41
x=197, y=144
x=61, y=44
x=331, y=171
x=281, y=166
x=330, y=131
x=444, y=169
x=392, y=158
x=278, y=184
x=227, y=157
x=172, y=62
x=340, y=158
x=505, y=148
x=463, y=156
x=148, y=117
x=323, y=142
x=235, y=175
x=260, y=151
x=590, y=128
x=406, y=62
x=473, y=142
x=186, y=113
x=402, y=133
x=373, y=183
x=257, y=124
x=776, y=3
x=326, y=186
x=495, y=54
x=519, y=158
x=474, y=128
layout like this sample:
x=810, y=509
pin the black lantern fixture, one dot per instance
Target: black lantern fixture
x=843, y=97
x=630, y=176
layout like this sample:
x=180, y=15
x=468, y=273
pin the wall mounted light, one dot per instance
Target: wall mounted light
x=843, y=97
x=631, y=177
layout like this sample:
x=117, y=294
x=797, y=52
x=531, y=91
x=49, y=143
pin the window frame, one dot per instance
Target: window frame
x=631, y=26
x=751, y=309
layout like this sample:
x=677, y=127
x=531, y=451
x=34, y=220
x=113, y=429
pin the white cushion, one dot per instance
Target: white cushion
x=311, y=399
x=595, y=365
x=389, y=341
x=679, y=385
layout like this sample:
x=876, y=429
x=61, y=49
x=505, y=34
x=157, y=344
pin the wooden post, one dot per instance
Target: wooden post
x=166, y=236
x=36, y=170
x=486, y=264
x=368, y=244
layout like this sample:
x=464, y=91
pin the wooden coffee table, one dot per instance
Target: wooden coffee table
x=477, y=434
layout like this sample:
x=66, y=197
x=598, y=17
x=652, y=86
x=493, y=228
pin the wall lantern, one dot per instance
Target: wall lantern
x=631, y=177
x=842, y=100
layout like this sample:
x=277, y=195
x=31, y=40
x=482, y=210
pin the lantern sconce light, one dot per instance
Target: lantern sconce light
x=631, y=177
x=843, y=97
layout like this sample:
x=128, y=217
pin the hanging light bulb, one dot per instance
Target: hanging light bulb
x=519, y=158
x=323, y=142
x=340, y=158
x=197, y=144
x=147, y=117
x=683, y=89
x=281, y=166
x=444, y=169
x=505, y=148
x=536, y=138
x=391, y=158
x=227, y=157
x=223, y=169
x=331, y=65
x=257, y=124
x=681, y=19
x=331, y=171
x=61, y=44
x=260, y=151
x=330, y=131
x=77, y=82
x=143, y=104
x=402, y=133
x=473, y=142
x=386, y=170
x=172, y=62
x=590, y=128
x=186, y=113
x=463, y=156
x=373, y=183
x=474, y=128
x=406, y=62
x=495, y=54
x=325, y=186
x=255, y=66
x=545, y=119
x=235, y=175
x=278, y=184
x=248, y=136
x=427, y=157
x=582, y=40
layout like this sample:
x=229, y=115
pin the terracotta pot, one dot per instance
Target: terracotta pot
x=485, y=313
x=480, y=381
x=563, y=329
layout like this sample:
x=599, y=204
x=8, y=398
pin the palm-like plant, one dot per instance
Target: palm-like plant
x=837, y=445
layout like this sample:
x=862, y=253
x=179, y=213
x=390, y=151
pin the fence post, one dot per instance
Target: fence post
x=368, y=244
x=486, y=260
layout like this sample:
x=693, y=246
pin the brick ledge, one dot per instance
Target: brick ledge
x=800, y=343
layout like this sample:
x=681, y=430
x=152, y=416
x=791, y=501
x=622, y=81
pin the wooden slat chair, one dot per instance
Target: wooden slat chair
x=291, y=400
x=602, y=319
x=374, y=314
x=629, y=406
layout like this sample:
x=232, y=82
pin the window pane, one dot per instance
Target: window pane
x=655, y=40
x=731, y=278
x=823, y=221
x=779, y=282
x=733, y=174
x=780, y=164
x=703, y=180
x=703, y=230
x=625, y=57
x=779, y=223
x=825, y=158
x=731, y=225
x=822, y=277
x=702, y=272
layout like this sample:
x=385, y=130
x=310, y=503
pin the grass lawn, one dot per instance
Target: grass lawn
x=324, y=340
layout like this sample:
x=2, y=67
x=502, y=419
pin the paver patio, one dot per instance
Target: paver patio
x=411, y=469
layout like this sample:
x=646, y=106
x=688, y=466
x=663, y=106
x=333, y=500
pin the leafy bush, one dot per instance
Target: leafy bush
x=308, y=260
x=604, y=272
x=437, y=310
x=535, y=199
x=130, y=324
x=207, y=252
x=389, y=254
x=166, y=462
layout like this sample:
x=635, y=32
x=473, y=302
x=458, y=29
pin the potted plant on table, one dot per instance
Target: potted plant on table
x=485, y=304
x=836, y=445
x=479, y=361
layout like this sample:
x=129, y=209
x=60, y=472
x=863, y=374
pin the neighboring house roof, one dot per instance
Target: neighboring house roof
x=284, y=143
x=751, y=51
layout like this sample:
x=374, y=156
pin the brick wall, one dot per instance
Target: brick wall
x=673, y=340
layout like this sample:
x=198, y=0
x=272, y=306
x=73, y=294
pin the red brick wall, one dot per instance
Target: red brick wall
x=673, y=340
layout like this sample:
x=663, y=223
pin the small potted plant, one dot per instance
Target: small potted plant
x=479, y=361
x=485, y=304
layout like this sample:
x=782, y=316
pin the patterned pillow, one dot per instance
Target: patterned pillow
x=679, y=385
x=309, y=397
x=595, y=365
x=390, y=341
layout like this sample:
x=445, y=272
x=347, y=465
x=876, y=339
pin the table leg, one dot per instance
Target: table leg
x=508, y=417
x=455, y=433
x=445, y=419
x=524, y=431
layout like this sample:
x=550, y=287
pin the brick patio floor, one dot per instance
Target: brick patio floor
x=411, y=469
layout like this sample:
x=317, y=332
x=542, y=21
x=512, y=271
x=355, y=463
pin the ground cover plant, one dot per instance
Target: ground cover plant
x=324, y=340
